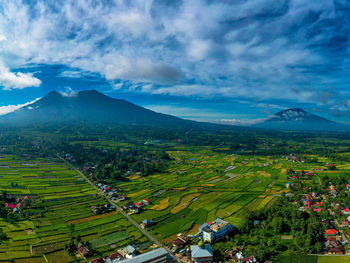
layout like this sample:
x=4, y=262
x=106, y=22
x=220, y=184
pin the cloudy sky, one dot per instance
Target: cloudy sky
x=226, y=61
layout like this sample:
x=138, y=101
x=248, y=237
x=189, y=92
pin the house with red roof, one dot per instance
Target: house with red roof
x=96, y=260
x=139, y=204
x=346, y=211
x=11, y=206
x=331, y=232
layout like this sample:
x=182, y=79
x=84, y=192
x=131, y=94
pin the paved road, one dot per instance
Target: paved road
x=118, y=208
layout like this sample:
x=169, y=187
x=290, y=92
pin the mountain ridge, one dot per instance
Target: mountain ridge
x=300, y=120
x=88, y=106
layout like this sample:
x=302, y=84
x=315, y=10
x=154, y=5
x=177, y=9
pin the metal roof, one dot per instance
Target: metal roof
x=198, y=252
x=147, y=256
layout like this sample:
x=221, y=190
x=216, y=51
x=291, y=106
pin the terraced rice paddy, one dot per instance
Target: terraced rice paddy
x=196, y=189
x=64, y=200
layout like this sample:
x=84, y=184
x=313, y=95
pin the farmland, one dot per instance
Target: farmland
x=64, y=199
x=196, y=188
x=186, y=185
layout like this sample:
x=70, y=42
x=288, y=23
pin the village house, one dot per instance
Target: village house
x=127, y=252
x=331, y=232
x=122, y=198
x=102, y=208
x=251, y=259
x=129, y=205
x=83, y=251
x=201, y=254
x=146, y=223
x=96, y=260
x=180, y=242
x=113, y=258
x=134, y=211
x=345, y=211
x=214, y=230
x=159, y=255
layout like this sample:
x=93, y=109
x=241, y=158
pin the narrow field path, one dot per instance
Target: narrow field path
x=118, y=208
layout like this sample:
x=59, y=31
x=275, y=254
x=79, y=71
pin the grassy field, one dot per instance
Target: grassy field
x=333, y=259
x=66, y=199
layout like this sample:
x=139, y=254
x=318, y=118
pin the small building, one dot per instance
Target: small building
x=11, y=206
x=159, y=255
x=128, y=252
x=346, y=211
x=251, y=259
x=331, y=232
x=202, y=254
x=113, y=258
x=180, y=242
x=129, y=205
x=83, y=251
x=122, y=198
x=214, y=230
x=146, y=223
x=139, y=204
x=96, y=260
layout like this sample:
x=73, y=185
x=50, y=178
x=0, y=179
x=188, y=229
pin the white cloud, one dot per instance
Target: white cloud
x=2, y=38
x=69, y=92
x=11, y=80
x=141, y=70
x=255, y=49
x=10, y=108
x=71, y=74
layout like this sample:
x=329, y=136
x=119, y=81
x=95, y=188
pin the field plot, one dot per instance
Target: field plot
x=200, y=186
x=64, y=200
x=333, y=259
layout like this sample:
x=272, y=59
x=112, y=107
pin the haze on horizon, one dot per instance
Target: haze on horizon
x=203, y=60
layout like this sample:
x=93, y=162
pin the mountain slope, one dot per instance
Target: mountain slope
x=298, y=119
x=89, y=106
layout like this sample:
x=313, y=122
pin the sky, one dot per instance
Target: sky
x=234, y=62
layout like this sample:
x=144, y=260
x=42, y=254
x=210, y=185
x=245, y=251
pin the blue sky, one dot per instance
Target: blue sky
x=222, y=61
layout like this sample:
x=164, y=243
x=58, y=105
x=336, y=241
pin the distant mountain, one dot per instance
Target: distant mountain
x=299, y=119
x=89, y=106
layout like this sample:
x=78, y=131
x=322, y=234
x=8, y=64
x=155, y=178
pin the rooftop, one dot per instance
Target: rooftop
x=147, y=256
x=198, y=252
x=219, y=224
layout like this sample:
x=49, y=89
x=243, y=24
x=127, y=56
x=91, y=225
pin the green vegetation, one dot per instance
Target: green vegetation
x=63, y=202
x=190, y=177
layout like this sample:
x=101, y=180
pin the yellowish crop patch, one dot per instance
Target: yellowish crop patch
x=184, y=202
x=163, y=204
x=138, y=193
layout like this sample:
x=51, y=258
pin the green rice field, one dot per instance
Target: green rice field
x=64, y=199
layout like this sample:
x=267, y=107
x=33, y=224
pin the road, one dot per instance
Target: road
x=118, y=208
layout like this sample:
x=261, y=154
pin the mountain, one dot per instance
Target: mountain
x=299, y=119
x=89, y=106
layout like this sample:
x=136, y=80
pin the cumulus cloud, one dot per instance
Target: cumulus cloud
x=10, y=108
x=256, y=49
x=17, y=80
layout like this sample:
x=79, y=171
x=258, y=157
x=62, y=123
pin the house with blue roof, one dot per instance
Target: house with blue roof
x=212, y=231
x=202, y=254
